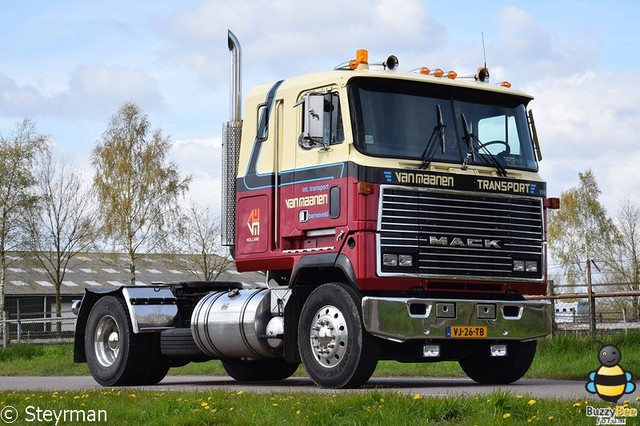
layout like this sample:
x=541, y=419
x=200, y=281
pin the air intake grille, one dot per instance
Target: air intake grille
x=461, y=234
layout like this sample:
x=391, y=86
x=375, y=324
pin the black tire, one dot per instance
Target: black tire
x=259, y=370
x=115, y=355
x=157, y=365
x=487, y=370
x=335, y=349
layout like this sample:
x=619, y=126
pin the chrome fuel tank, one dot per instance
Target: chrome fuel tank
x=233, y=324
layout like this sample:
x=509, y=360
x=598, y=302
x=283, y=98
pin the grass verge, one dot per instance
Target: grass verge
x=134, y=407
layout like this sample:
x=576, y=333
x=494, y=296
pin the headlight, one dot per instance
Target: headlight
x=518, y=266
x=531, y=266
x=390, y=259
x=405, y=260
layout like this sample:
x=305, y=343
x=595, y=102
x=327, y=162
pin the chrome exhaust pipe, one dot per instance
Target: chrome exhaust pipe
x=231, y=134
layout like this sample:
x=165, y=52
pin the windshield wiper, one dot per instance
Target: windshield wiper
x=429, y=150
x=473, y=142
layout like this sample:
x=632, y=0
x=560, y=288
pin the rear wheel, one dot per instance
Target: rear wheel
x=115, y=355
x=335, y=349
x=259, y=370
x=485, y=369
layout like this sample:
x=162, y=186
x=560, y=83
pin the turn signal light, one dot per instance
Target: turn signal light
x=552, y=203
x=365, y=188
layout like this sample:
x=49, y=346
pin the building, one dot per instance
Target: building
x=30, y=294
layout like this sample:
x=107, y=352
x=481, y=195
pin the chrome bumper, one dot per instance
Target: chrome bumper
x=402, y=319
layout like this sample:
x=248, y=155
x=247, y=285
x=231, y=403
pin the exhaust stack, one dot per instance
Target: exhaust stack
x=231, y=133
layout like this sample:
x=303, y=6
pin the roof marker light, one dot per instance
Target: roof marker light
x=505, y=84
x=438, y=72
x=452, y=75
x=425, y=71
x=362, y=56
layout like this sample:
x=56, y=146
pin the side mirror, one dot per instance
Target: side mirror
x=314, y=117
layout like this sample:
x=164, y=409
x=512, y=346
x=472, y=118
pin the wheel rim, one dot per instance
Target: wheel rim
x=329, y=336
x=107, y=341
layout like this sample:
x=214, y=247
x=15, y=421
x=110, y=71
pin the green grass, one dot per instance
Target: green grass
x=562, y=357
x=134, y=407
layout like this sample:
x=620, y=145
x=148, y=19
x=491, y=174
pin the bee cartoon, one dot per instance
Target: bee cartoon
x=610, y=381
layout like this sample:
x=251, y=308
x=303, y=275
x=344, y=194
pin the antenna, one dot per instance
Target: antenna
x=484, y=52
x=483, y=73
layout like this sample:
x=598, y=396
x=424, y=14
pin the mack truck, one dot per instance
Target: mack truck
x=396, y=216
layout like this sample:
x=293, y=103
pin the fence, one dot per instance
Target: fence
x=41, y=329
x=603, y=310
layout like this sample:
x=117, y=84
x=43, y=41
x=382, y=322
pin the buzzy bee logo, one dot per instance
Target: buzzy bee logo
x=610, y=382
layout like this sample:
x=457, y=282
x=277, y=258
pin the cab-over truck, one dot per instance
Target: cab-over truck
x=396, y=215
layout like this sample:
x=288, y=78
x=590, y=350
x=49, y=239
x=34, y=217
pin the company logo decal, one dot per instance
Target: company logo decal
x=253, y=222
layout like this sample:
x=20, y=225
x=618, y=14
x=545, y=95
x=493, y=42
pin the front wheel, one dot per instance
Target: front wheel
x=335, y=349
x=487, y=370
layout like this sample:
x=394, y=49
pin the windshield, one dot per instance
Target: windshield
x=394, y=118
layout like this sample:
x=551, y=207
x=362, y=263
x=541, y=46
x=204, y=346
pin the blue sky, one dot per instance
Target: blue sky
x=69, y=65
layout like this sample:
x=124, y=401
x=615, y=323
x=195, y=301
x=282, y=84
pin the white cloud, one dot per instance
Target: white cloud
x=200, y=158
x=93, y=91
x=589, y=121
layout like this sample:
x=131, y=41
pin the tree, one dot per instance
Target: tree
x=137, y=189
x=61, y=224
x=580, y=230
x=18, y=155
x=198, y=244
x=623, y=255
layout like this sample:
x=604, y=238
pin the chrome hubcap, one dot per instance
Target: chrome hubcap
x=329, y=336
x=107, y=341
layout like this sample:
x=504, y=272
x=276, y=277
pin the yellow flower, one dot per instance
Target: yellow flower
x=532, y=402
x=417, y=396
x=577, y=404
x=240, y=392
x=506, y=415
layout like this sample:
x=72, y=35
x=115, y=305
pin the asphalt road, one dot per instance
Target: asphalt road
x=535, y=388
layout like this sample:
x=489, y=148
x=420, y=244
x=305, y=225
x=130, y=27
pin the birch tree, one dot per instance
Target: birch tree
x=198, y=244
x=623, y=255
x=18, y=154
x=581, y=230
x=61, y=225
x=137, y=188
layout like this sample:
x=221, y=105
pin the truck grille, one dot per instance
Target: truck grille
x=457, y=234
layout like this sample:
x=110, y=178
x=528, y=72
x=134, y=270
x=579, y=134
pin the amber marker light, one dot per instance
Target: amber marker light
x=438, y=72
x=505, y=84
x=425, y=71
x=452, y=75
x=365, y=188
x=362, y=56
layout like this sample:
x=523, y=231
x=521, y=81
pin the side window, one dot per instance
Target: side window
x=321, y=121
